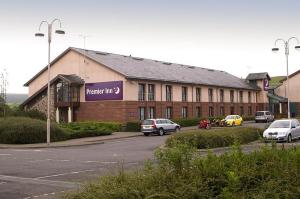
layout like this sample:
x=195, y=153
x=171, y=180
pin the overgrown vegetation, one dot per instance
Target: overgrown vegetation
x=181, y=173
x=215, y=137
x=89, y=129
x=24, y=130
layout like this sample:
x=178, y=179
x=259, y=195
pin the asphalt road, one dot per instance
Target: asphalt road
x=49, y=172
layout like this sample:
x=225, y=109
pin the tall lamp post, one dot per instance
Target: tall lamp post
x=40, y=34
x=286, y=44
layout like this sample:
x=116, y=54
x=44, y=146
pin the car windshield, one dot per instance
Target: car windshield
x=147, y=122
x=280, y=124
x=229, y=117
x=259, y=113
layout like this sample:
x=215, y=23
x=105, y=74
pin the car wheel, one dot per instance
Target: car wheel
x=146, y=134
x=177, y=129
x=289, y=138
x=161, y=132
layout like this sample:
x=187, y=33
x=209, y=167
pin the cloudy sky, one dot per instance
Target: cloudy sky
x=232, y=35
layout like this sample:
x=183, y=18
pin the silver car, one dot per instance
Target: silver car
x=283, y=130
x=263, y=116
x=159, y=126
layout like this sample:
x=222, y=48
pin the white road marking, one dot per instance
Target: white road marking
x=63, y=174
x=2, y=183
x=5, y=154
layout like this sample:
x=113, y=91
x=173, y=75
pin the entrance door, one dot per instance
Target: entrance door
x=63, y=115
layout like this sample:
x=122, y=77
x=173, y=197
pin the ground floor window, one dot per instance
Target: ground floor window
x=222, y=111
x=232, y=110
x=249, y=110
x=242, y=110
x=151, y=112
x=198, y=112
x=169, y=112
x=211, y=111
x=184, y=112
x=141, y=113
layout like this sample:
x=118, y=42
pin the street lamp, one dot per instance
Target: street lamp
x=40, y=34
x=287, y=52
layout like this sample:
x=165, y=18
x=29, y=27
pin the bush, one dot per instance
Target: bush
x=18, y=112
x=179, y=173
x=248, y=118
x=134, y=126
x=22, y=130
x=215, y=137
x=89, y=129
x=187, y=122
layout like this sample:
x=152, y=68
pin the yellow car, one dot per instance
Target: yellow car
x=233, y=120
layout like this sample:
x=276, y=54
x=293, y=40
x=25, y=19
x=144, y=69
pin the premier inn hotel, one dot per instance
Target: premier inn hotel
x=89, y=85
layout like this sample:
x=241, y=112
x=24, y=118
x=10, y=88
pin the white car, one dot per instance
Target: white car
x=283, y=130
x=159, y=126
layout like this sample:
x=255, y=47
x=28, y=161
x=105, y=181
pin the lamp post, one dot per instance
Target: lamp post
x=40, y=34
x=286, y=44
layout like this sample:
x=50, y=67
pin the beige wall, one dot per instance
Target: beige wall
x=294, y=88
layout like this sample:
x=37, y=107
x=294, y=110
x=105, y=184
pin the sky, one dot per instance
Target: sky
x=233, y=35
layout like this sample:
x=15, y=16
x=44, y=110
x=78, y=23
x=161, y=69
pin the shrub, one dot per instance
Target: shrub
x=215, y=137
x=18, y=112
x=187, y=122
x=134, y=126
x=248, y=118
x=89, y=129
x=179, y=173
x=22, y=130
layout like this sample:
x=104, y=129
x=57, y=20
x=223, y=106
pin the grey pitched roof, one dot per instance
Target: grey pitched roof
x=258, y=76
x=71, y=79
x=140, y=68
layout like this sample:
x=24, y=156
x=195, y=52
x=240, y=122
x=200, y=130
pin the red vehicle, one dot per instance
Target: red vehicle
x=204, y=124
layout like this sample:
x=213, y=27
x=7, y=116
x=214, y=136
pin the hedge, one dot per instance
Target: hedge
x=215, y=137
x=133, y=126
x=180, y=173
x=24, y=130
x=89, y=129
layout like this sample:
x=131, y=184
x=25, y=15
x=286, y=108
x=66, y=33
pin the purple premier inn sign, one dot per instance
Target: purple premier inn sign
x=104, y=91
x=266, y=84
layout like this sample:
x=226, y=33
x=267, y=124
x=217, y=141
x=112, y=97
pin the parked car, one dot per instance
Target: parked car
x=264, y=116
x=283, y=130
x=159, y=126
x=233, y=120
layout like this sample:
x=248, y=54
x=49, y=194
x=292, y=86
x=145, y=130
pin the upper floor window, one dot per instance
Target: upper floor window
x=198, y=94
x=249, y=97
x=210, y=95
x=184, y=93
x=231, y=96
x=241, y=96
x=151, y=92
x=221, y=95
x=63, y=92
x=141, y=92
x=168, y=93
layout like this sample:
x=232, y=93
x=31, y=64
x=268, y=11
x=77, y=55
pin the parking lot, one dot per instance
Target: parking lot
x=50, y=172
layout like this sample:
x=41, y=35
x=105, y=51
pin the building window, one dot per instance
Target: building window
x=141, y=92
x=184, y=112
x=198, y=112
x=221, y=95
x=249, y=110
x=241, y=110
x=210, y=111
x=249, y=97
x=169, y=112
x=241, y=96
x=62, y=92
x=141, y=113
x=151, y=112
x=151, y=92
x=198, y=94
x=168, y=93
x=232, y=110
x=256, y=97
x=210, y=95
x=184, y=93
x=231, y=96
x=222, y=111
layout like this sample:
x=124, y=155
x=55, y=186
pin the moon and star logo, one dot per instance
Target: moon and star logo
x=117, y=90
